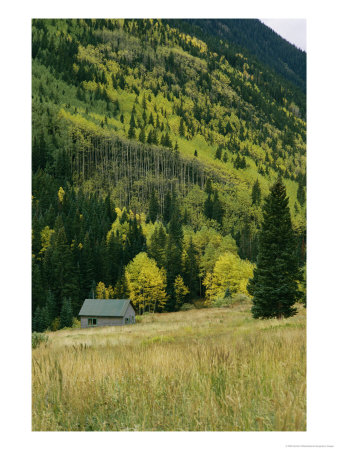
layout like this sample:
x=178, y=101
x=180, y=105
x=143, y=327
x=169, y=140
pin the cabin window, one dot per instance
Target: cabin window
x=91, y=322
x=126, y=320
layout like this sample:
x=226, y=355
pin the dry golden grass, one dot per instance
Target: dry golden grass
x=209, y=369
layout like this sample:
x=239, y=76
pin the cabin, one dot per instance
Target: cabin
x=106, y=313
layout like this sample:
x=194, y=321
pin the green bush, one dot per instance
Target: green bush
x=240, y=298
x=199, y=304
x=224, y=302
x=76, y=323
x=38, y=338
x=55, y=325
x=187, y=307
x=221, y=302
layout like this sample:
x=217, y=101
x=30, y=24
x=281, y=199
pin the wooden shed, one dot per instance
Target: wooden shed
x=102, y=313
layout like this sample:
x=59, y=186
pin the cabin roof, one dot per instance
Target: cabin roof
x=104, y=308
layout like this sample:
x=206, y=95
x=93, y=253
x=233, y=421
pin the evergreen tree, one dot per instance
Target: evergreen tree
x=36, y=323
x=58, y=266
x=44, y=323
x=131, y=132
x=154, y=207
x=121, y=287
x=114, y=258
x=208, y=187
x=51, y=307
x=217, y=210
x=301, y=194
x=218, y=154
x=167, y=208
x=191, y=270
x=135, y=241
x=208, y=207
x=157, y=245
x=256, y=193
x=182, y=128
x=66, y=315
x=274, y=284
x=142, y=136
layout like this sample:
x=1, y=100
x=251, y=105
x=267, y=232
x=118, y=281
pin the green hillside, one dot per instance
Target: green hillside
x=158, y=138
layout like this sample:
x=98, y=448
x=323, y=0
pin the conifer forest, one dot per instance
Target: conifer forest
x=168, y=167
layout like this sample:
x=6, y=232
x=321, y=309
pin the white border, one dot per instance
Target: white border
x=322, y=226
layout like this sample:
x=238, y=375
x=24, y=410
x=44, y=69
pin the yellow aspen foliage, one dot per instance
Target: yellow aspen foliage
x=109, y=292
x=103, y=292
x=146, y=283
x=46, y=234
x=180, y=290
x=61, y=194
x=230, y=272
x=100, y=290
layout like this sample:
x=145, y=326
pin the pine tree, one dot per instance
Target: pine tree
x=131, y=132
x=157, y=245
x=51, y=307
x=274, y=284
x=66, y=315
x=191, y=270
x=121, y=288
x=218, y=154
x=167, y=208
x=301, y=194
x=36, y=323
x=182, y=128
x=208, y=207
x=142, y=136
x=256, y=193
x=154, y=207
x=217, y=210
x=208, y=187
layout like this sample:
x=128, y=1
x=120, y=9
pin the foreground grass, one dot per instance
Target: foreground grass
x=210, y=369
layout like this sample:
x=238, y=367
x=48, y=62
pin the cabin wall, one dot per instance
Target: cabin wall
x=130, y=314
x=102, y=321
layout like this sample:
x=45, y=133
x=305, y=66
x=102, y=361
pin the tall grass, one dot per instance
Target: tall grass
x=196, y=370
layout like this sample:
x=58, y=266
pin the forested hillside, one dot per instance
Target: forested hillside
x=154, y=144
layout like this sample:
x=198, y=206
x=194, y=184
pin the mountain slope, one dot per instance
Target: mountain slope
x=262, y=42
x=165, y=119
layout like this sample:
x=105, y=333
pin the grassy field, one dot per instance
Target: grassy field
x=207, y=369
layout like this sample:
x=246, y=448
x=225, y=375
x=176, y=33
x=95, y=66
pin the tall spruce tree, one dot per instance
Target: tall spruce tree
x=154, y=207
x=173, y=263
x=256, y=193
x=66, y=315
x=274, y=285
x=191, y=270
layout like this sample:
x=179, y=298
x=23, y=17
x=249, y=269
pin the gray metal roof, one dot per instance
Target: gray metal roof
x=104, y=308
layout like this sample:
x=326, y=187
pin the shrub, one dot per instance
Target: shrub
x=221, y=302
x=187, y=307
x=55, y=325
x=224, y=302
x=240, y=298
x=38, y=338
x=199, y=304
x=76, y=323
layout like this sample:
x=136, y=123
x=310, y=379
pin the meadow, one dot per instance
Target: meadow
x=199, y=370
